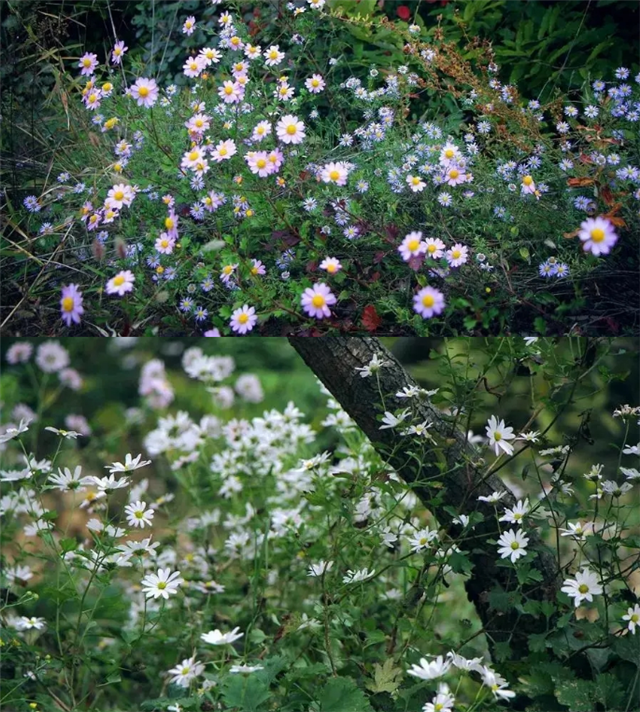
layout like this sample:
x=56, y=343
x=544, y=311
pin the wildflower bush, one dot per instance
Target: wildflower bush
x=289, y=191
x=378, y=555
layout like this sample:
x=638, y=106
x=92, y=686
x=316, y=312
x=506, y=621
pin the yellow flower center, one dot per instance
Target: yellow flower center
x=185, y=670
x=454, y=174
x=331, y=268
x=260, y=130
x=243, y=318
x=415, y=180
x=160, y=269
x=199, y=123
x=527, y=180
x=223, y=151
x=235, y=40
x=431, y=248
x=228, y=269
x=291, y=129
x=315, y=82
x=93, y=98
x=228, y=90
x=515, y=545
x=318, y=301
x=273, y=54
x=143, y=91
x=635, y=617
x=449, y=153
x=169, y=223
x=597, y=234
x=138, y=514
x=334, y=175
x=254, y=271
x=118, y=195
x=194, y=155
x=107, y=87
x=161, y=585
x=497, y=436
x=164, y=243
x=455, y=254
x=413, y=245
x=86, y=62
x=119, y=280
x=583, y=588
x=67, y=304
x=428, y=300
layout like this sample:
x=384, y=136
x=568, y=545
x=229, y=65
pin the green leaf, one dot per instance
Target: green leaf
x=341, y=694
x=386, y=677
x=576, y=694
x=610, y=691
x=245, y=692
x=68, y=545
x=502, y=651
x=501, y=600
x=538, y=642
x=628, y=648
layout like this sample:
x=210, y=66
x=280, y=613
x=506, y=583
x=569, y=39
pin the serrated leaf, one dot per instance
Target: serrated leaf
x=245, y=692
x=386, y=677
x=576, y=694
x=341, y=694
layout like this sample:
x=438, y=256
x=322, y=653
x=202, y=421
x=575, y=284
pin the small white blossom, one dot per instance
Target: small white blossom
x=216, y=637
x=498, y=434
x=164, y=583
x=426, y=670
x=633, y=618
x=374, y=366
x=512, y=545
x=357, y=576
x=583, y=588
x=320, y=568
x=130, y=464
x=391, y=421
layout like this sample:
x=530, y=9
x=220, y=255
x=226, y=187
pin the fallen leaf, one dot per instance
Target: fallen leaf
x=370, y=318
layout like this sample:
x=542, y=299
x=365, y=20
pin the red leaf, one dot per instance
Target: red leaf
x=370, y=319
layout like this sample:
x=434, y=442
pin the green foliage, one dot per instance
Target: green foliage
x=341, y=694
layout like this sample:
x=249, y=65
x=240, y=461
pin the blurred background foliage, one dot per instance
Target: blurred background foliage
x=111, y=370
x=545, y=46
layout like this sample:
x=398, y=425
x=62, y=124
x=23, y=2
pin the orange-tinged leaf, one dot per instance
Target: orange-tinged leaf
x=571, y=234
x=618, y=222
x=580, y=182
x=607, y=195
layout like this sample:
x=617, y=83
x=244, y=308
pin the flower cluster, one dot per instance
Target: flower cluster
x=246, y=156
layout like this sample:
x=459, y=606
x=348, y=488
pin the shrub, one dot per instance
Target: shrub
x=422, y=198
x=254, y=560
